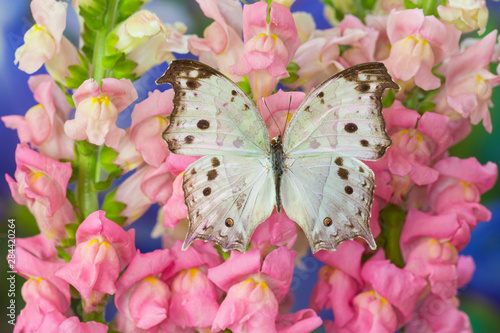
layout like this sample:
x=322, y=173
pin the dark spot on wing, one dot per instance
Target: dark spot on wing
x=314, y=144
x=343, y=173
x=232, y=98
x=238, y=143
x=212, y=174
x=351, y=127
x=327, y=222
x=189, y=139
x=192, y=84
x=308, y=108
x=234, y=92
x=322, y=101
x=229, y=221
x=363, y=87
x=193, y=171
x=203, y=124
x=339, y=161
x=215, y=162
x=247, y=107
x=361, y=169
x=364, y=143
x=321, y=94
x=348, y=189
x=207, y=191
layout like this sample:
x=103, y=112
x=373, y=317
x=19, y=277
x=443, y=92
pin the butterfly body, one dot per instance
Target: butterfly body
x=313, y=172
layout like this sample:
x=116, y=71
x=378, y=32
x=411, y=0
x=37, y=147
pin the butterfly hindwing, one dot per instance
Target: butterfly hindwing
x=343, y=115
x=227, y=198
x=330, y=197
x=211, y=115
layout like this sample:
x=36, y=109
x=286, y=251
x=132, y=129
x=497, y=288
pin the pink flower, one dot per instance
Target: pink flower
x=276, y=270
x=199, y=255
x=103, y=249
x=268, y=49
x=175, y=209
x=97, y=110
x=43, y=40
x=417, y=140
x=435, y=314
x=436, y=261
x=469, y=83
x=42, y=126
x=221, y=46
x=73, y=324
x=278, y=109
x=457, y=191
x=178, y=163
x=157, y=184
x=418, y=43
x=193, y=302
x=148, y=123
x=373, y=314
x=41, y=184
x=278, y=230
x=249, y=306
x=43, y=311
x=305, y=320
x=141, y=297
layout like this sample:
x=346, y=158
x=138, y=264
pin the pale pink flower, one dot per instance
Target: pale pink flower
x=41, y=184
x=128, y=157
x=221, y=46
x=42, y=125
x=249, y=306
x=363, y=43
x=466, y=15
x=141, y=297
x=268, y=49
x=469, y=83
x=178, y=163
x=305, y=25
x=419, y=43
x=148, y=123
x=157, y=184
x=103, y=249
x=43, y=40
x=73, y=324
x=97, y=110
x=277, y=110
x=193, y=300
x=145, y=39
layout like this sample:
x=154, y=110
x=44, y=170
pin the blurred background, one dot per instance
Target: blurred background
x=480, y=299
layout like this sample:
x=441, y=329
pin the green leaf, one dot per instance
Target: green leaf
x=78, y=72
x=409, y=4
x=85, y=148
x=105, y=184
x=71, y=229
x=124, y=66
x=292, y=69
x=391, y=219
x=114, y=208
x=388, y=99
x=245, y=85
x=61, y=253
x=68, y=242
x=223, y=254
x=109, y=61
x=128, y=7
x=106, y=158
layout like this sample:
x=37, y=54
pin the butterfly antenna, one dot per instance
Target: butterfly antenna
x=277, y=126
x=287, y=113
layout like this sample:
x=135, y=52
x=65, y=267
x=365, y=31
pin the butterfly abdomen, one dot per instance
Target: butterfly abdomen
x=277, y=157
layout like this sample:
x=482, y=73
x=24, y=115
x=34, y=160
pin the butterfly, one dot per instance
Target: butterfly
x=313, y=171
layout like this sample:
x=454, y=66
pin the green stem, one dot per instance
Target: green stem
x=429, y=7
x=392, y=219
x=98, y=70
x=86, y=193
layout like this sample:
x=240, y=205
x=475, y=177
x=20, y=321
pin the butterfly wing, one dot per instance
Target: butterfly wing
x=343, y=114
x=227, y=198
x=330, y=197
x=325, y=189
x=211, y=115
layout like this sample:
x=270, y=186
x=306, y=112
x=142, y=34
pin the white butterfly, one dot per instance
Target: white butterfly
x=314, y=172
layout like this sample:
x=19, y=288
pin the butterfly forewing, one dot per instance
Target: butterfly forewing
x=227, y=198
x=211, y=115
x=330, y=197
x=342, y=115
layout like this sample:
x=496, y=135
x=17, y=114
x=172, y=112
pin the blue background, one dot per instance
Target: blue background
x=480, y=299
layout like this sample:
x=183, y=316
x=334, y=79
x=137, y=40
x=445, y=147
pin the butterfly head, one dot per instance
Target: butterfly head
x=276, y=140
